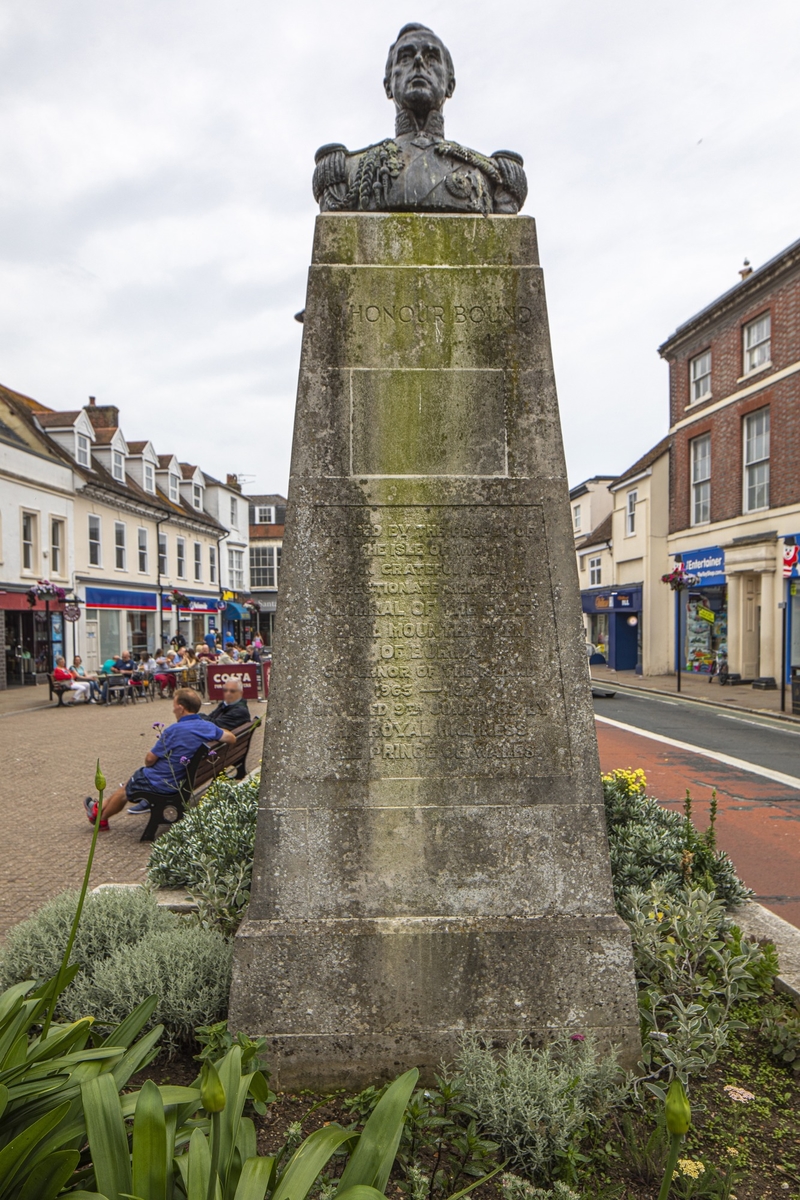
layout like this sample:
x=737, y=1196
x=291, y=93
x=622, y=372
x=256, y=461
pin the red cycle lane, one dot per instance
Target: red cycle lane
x=757, y=822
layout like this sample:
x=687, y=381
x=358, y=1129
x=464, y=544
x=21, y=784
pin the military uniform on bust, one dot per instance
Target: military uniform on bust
x=418, y=170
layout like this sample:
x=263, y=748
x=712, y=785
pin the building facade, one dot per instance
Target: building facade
x=267, y=517
x=734, y=512
x=620, y=565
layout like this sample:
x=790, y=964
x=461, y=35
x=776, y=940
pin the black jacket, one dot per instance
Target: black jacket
x=230, y=716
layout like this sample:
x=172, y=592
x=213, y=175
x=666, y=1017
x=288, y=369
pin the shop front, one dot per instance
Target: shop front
x=614, y=618
x=118, y=619
x=704, y=611
x=34, y=637
x=791, y=597
x=193, y=618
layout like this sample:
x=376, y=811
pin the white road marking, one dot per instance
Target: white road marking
x=776, y=776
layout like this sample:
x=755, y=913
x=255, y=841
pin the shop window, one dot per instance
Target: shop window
x=109, y=633
x=630, y=512
x=198, y=562
x=236, y=569
x=94, y=541
x=143, y=551
x=576, y=518
x=757, y=337
x=701, y=479
x=162, y=554
x=756, y=461
x=595, y=572
x=181, y=545
x=29, y=549
x=700, y=377
x=119, y=546
x=57, y=547
x=212, y=564
x=81, y=449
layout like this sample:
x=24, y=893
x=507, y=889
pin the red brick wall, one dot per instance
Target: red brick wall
x=725, y=425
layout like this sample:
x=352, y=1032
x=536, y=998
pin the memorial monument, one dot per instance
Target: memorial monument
x=431, y=853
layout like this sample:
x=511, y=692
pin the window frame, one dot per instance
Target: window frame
x=694, y=380
x=82, y=446
x=197, y=497
x=142, y=549
x=700, y=486
x=765, y=360
x=162, y=554
x=57, y=545
x=149, y=477
x=180, y=557
x=753, y=467
x=120, y=546
x=576, y=518
x=29, y=545
x=174, y=488
x=198, y=562
x=235, y=569
x=596, y=571
x=234, y=513
x=98, y=541
x=117, y=465
x=631, y=500
x=212, y=564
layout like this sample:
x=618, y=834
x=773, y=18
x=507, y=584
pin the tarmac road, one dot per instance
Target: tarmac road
x=753, y=762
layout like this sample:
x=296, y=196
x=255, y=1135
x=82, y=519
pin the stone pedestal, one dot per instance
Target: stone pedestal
x=431, y=853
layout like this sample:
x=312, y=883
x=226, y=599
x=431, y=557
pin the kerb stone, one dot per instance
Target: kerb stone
x=431, y=853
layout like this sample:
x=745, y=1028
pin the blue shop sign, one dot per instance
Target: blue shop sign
x=708, y=564
x=100, y=597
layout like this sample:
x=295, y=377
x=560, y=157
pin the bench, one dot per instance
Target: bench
x=206, y=764
x=57, y=687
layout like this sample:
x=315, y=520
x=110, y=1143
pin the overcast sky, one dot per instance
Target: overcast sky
x=157, y=213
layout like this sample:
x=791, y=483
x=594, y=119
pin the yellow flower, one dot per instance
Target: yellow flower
x=737, y=1094
x=691, y=1168
x=731, y=1152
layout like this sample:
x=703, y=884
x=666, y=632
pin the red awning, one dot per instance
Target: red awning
x=18, y=602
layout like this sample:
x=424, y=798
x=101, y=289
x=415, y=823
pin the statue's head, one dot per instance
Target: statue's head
x=419, y=70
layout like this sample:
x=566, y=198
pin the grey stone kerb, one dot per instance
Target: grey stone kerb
x=431, y=853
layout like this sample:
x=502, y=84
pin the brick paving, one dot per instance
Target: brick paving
x=49, y=765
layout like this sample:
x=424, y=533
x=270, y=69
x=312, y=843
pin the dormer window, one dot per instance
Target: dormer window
x=81, y=449
x=118, y=465
x=262, y=514
x=149, y=478
x=174, y=486
x=197, y=496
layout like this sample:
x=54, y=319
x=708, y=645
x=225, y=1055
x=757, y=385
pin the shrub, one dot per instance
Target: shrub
x=781, y=1031
x=512, y=1187
x=649, y=844
x=692, y=967
x=186, y=966
x=112, y=918
x=220, y=829
x=538, y=1103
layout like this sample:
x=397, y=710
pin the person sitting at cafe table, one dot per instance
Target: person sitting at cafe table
x=232, y=710
x=166, y=763
x=78, y=671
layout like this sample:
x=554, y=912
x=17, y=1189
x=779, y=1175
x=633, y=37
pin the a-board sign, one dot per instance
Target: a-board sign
x=218, y=673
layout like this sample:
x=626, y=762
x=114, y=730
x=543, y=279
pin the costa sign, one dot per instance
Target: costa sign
x=218, y=674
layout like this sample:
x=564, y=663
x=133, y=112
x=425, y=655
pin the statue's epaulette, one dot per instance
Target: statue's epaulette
x=511, y=168
x=330, y=169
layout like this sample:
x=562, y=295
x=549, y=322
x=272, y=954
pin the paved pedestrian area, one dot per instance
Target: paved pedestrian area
x=49, y=757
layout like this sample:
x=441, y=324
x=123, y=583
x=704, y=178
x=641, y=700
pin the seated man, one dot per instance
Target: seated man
x=165, y=765
x=79, y=686
x=232, y=711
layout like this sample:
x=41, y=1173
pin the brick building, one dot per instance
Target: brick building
x=267, y=516
x=735, y=471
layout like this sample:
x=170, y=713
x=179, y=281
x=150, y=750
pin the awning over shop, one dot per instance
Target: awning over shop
x=18, y=602
x=235, y=612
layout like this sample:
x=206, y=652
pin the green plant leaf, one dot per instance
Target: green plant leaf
x=308, y=1160
x=133, y=1024
x=137, y=1057
x=49, y=1176
x=108, y=1138
x=197, y=1167
x=24, y=1145
x=150, y=1145
x=371, y=1162
x=3, y=1098
x=255, y=1178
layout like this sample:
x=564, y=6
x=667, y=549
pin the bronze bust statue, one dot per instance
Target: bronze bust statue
x=418, y=170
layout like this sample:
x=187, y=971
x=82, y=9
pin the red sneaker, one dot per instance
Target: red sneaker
x=90, y=806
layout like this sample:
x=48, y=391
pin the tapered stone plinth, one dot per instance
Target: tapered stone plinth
x=431, y=853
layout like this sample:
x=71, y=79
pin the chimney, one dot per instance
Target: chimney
x=746, y=269
x=233, y=482
x=102, y=416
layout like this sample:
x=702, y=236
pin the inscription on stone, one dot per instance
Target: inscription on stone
x=455, y=604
